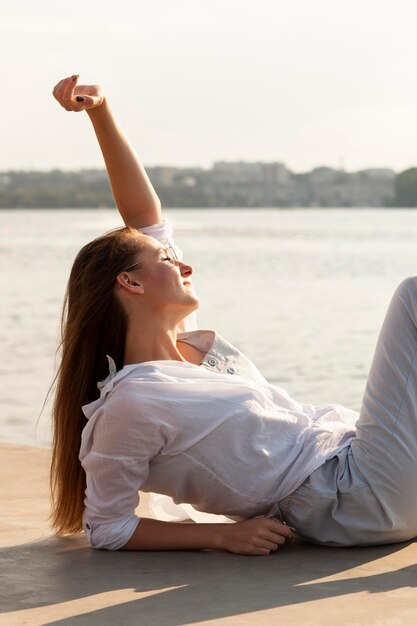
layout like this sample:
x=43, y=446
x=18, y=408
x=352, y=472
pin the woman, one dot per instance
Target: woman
x=183, y=413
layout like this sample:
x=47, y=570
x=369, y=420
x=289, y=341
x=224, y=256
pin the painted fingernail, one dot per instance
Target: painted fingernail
x=74, y=78
x=80, y=99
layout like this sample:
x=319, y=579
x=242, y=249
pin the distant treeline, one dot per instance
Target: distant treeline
x=55, y=189
x=238, y=184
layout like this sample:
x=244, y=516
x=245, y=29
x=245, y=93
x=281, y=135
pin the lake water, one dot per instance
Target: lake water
x=302, y=292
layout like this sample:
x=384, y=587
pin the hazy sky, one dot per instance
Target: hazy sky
x=305, y=82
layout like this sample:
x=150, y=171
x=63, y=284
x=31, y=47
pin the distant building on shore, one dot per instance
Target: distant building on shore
x=225, y=184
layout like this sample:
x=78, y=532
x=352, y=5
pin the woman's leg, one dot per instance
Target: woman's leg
x=385, y=448
x=367, y=493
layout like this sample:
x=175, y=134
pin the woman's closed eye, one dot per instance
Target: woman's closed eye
x=166, y=256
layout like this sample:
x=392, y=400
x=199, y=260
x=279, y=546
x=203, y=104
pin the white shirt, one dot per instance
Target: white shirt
x=217, y=436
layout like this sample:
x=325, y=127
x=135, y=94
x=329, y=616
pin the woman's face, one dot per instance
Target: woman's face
x=166, y=281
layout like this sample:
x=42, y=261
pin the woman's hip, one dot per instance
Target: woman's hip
x=336, y=506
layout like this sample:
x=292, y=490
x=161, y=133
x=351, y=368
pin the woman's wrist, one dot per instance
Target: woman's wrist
x=102, y=109
x=218, y=536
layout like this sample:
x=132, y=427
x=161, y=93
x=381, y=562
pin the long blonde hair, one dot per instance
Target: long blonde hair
x=93, y=325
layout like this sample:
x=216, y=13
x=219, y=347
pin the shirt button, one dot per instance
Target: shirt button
x=231, y=370
x=212, y=361
x=88, y=527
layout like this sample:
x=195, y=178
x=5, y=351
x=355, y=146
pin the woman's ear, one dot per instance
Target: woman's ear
x=127, y=281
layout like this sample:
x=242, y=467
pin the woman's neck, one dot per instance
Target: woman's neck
x=161, y=347
x=151, y=344
x=152, y=335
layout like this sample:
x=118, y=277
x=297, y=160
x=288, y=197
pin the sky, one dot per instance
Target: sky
x=303, y=82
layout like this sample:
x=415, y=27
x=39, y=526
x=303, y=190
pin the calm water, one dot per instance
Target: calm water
x=302, y=292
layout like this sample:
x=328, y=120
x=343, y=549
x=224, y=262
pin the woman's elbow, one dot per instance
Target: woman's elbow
x=110, y=535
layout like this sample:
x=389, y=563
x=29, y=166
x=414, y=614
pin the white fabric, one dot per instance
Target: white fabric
x=216, y=436
x=163, y=507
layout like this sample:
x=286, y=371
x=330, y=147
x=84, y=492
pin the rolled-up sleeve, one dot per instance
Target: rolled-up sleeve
x=111, y=497
x=117, y=448
x=164, y=233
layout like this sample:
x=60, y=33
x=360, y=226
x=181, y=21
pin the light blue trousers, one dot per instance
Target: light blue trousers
x=367, y=494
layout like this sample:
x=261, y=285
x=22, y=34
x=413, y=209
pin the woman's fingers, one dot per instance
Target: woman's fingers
x=278, y=528
x=278, y=539
x=258, y=536
x=61, y=90
x=74, y=97
x=90, y=95
x=272, y=541
x=270, y=545
x=273, y=534
x=68, y=89
x=287, y=530
x=57, y=91
x=85, y=102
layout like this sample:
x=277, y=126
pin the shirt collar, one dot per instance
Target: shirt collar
x=112, y=373
x=114, y=376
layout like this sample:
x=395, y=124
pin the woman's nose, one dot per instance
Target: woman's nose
x=186, y=270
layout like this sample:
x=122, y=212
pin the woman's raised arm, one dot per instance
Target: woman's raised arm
x=133, y=192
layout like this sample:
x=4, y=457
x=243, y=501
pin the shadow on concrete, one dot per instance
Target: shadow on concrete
x=208, y=585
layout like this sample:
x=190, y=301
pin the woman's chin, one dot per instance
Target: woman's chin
x=196, y=303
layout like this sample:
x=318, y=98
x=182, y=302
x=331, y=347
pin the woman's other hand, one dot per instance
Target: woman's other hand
x=74, y=97
x=258, y=536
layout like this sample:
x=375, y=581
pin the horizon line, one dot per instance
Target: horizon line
x=200, y=167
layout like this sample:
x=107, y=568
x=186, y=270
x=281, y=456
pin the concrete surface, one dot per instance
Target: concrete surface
x=61, y=581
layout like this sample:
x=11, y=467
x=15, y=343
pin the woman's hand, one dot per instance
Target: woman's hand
x=74, y=97
x=133, y=192
x=258, y=536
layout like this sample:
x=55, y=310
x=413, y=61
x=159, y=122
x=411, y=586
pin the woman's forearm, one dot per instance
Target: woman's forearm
x=133, y=192
x=258, y=536
x=151, y=534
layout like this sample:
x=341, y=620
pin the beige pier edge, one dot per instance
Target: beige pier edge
x=61, y=581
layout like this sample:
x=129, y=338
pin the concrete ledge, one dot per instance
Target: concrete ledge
x=49, y=580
